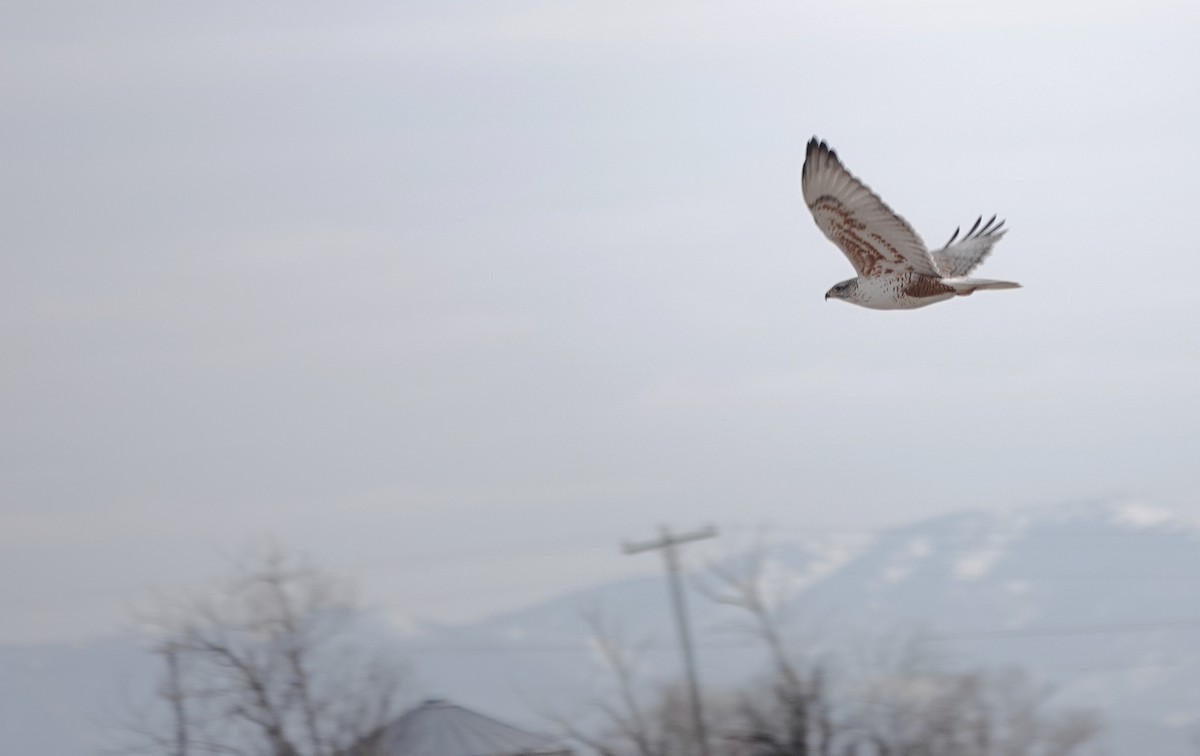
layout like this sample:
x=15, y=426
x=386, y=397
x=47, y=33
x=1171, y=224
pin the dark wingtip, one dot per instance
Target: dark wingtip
x=813, y=154
x=819, y=146
x=977, y=222
x=992, y=228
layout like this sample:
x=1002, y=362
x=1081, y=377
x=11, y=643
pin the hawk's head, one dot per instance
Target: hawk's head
x=843, y=290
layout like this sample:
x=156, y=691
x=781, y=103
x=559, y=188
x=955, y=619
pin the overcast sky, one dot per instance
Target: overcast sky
x=457, y=295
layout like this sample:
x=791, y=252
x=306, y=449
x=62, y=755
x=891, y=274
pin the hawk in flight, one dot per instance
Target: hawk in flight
x=895, y=270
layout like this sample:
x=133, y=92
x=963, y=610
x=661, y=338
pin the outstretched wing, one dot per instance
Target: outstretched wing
x=958, y=259
x=876, y=239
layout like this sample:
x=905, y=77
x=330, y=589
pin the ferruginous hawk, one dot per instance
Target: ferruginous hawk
x=895, y=270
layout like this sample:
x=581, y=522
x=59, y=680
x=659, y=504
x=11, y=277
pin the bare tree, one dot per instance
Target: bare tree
x=1000, y=713
x=813, y=702
x=624, y=723
x=905, y=704
x=794, y=709
x=265, y=664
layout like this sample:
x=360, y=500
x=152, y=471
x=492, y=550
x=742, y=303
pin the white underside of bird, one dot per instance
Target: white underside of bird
x=895, y=269
x=906, y=291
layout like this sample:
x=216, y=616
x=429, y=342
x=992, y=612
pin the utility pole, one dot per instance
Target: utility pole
x=175, y=697
x=668, y=542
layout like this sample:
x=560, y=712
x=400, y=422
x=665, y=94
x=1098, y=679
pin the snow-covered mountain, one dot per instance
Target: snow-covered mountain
x=1102, y=599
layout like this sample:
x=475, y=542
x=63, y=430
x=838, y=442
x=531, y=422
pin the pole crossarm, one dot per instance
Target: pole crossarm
x=668, y=539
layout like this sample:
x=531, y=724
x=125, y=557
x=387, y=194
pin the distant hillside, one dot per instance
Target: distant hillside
x=58, y=700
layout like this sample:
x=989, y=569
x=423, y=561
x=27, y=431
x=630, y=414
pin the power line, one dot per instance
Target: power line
x=731, y=644
x=1069, y=630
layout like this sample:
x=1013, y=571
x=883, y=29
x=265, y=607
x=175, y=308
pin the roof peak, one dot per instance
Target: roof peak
x=438, y=727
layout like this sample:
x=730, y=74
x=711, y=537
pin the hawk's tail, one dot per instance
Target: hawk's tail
x=966, y=286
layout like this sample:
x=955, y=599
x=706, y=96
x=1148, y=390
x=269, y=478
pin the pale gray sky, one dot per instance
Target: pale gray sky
x=456, y=295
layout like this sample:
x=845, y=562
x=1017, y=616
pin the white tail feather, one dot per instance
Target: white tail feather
x=965, y=286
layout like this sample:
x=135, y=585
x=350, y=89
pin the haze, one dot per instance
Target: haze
x=455, y=296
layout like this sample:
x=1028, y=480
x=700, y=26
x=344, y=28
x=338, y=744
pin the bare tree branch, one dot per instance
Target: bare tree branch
x=263, y=665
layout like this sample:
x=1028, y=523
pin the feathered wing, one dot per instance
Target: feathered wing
x=875, y=239
x=959, y=258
